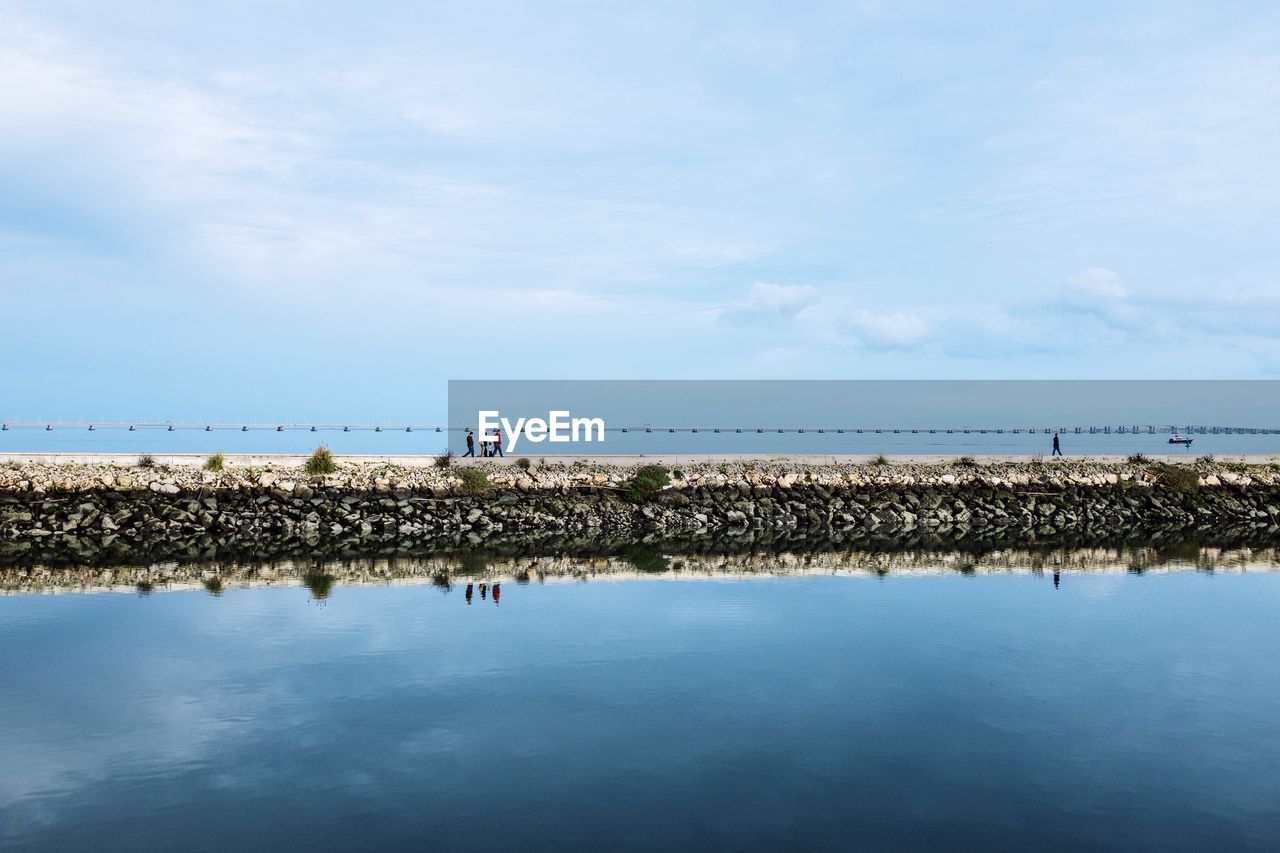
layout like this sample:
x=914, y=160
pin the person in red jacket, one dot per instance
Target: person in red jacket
x=497, y=442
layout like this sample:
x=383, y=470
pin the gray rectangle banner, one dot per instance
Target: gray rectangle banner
x=625, y=417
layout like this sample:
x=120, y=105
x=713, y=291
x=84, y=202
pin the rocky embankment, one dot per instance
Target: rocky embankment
x=117, y=513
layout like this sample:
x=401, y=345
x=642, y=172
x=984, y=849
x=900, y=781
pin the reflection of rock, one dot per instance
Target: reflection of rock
x=640, y=559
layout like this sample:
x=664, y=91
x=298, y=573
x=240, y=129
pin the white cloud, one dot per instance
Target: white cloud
x=767, y=301
x=1096, y=284
x=898, y=330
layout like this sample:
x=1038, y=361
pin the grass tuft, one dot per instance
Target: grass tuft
x=965, y=462
x=216, y=462
x=320, y=462
x=879, y=461
x=1138, y=459
x=146, y=460
x=1178, y=478
x=524, y=463
x=648, y=482
x=213, y=585
x=474, y=480
x=445, y=459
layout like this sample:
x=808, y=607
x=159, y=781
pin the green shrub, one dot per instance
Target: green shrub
x=879, y=461
x=215, y=462
x=146, y=460
x=1178, y=478
x=474, y=480
x=321, y=462
x=648, y=481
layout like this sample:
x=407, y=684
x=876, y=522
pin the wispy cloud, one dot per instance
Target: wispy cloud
x=766, y=301
x=896, y=330
x=1095, y=284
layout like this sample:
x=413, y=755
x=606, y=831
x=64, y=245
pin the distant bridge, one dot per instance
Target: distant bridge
x=1074, y=429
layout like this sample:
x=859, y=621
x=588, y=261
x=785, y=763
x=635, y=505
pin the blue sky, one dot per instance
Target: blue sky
x=321, y=210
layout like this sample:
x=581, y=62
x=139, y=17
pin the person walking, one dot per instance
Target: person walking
x=471, y=443
x=1057, y=448
x=497, y=442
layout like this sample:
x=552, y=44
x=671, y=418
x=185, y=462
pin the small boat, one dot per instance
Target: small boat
x=1180, y=439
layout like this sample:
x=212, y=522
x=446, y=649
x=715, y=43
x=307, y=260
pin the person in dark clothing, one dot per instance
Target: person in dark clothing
x=468, y=593
x=1057, y=448
x=471, y=443
x=1055, y=580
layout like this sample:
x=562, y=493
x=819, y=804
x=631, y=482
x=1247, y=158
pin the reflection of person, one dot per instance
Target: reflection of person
x=482, y=590
x=1055, y=580
x=1057, y=448
x=497, y=592
x=468, y=593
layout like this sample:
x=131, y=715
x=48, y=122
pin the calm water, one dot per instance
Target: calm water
x=1115, y=711
x=659, y=442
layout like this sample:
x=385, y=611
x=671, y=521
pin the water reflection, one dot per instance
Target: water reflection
x=483, y=572
x=819, y=701
x=319, y=581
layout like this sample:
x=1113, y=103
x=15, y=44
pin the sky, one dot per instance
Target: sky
x=310, y=210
